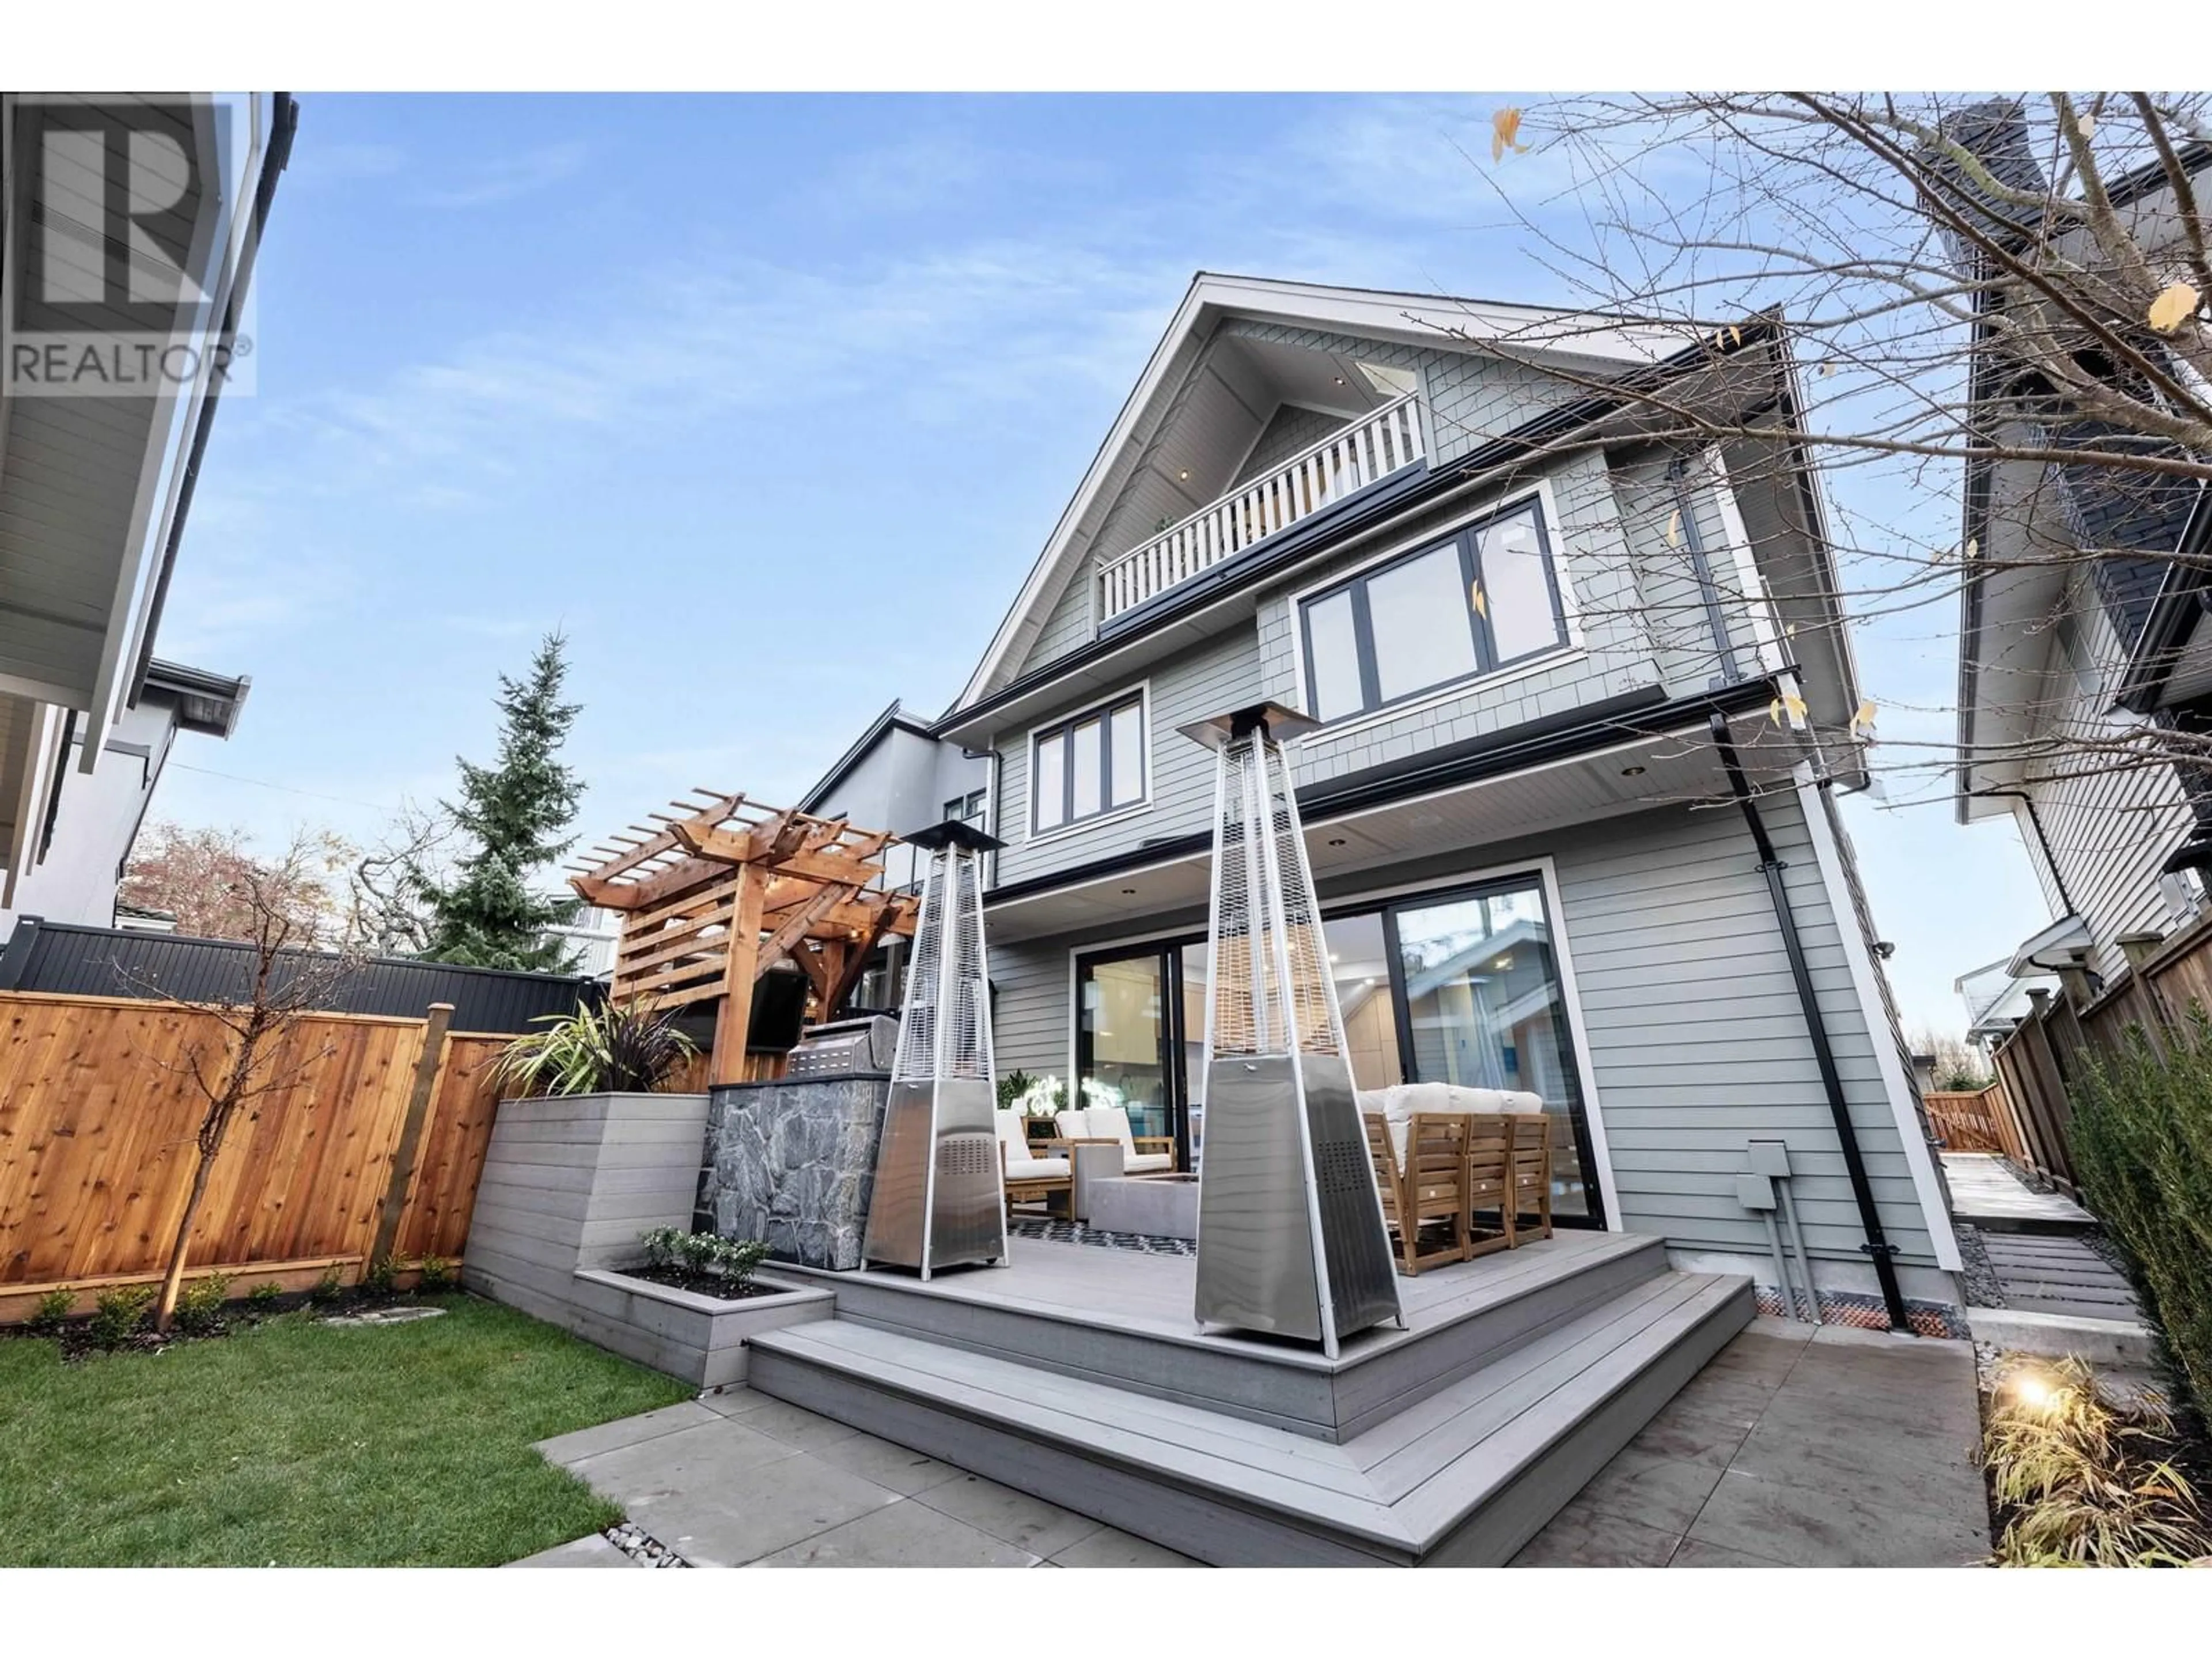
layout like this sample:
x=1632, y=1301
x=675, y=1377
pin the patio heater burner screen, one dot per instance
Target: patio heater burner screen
x=937, y=1199
x=1291, y=1238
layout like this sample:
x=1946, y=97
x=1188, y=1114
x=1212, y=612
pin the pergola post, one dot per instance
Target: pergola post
x=733, y=1019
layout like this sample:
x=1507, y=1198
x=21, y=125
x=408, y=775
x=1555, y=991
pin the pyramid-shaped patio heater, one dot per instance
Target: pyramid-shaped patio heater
x=937, y=1199
x=1290, y=1237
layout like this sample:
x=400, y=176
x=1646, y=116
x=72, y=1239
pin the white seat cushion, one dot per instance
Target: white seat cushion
x=1036, y=1169
x=1073, y=1125
x=1147, y=1162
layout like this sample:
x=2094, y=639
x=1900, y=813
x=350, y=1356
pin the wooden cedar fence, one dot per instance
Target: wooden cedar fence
x=97, y=1117
x=2042, y=1060
x=1973, y=1120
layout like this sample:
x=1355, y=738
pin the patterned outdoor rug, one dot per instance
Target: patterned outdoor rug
x=1079, y=1232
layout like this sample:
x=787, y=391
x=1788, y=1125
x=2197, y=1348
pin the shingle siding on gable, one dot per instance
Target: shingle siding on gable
x=1674, y=604
x=1616, y=655
x=1291, y=430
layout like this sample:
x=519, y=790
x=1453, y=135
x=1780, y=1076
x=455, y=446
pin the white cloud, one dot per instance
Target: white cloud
x=490, y=179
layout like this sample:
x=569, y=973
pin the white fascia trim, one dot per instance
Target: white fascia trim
x=1895, y=1084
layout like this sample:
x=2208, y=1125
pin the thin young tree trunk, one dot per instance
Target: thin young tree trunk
x=165, y=1310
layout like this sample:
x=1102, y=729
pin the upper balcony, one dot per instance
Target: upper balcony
x=1378, y=445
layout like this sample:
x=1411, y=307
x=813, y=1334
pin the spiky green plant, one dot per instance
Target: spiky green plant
x=2080, y=1477
x=604, y=1049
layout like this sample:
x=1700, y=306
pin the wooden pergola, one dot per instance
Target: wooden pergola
x=717, y=891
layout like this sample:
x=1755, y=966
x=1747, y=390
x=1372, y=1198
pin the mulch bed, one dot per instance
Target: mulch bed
x=701, y=1283
x=76, y=1340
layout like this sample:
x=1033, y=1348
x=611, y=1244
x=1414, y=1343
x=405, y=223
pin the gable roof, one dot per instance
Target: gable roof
x=1441, y=322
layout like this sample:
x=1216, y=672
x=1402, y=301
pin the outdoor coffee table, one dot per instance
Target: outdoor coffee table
x=1089, y=1165
x=1159, y=1205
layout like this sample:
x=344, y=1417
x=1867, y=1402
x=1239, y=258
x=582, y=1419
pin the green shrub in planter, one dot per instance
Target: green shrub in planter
x=2142, y=1139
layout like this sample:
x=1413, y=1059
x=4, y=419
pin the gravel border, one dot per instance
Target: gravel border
x=642, y=1547
x=1979, y=1276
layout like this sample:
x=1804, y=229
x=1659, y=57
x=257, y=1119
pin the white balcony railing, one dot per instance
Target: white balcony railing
x=1372, y=448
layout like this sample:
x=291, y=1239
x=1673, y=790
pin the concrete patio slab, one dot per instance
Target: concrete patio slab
x=1110, y=1547
x=1029, y=1523
x=901, y=1535
x=625, y=1431
x=592, y=1552
x=1794, y=1447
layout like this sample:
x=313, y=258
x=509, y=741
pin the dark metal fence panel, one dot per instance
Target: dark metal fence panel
x=108, y=962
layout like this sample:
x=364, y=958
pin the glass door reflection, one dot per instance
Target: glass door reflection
x=1123, y=1056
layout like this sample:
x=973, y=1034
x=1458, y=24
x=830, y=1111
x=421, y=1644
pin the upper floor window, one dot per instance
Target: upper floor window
x=1484, y=599
x=1092, y=764
x=967, y=809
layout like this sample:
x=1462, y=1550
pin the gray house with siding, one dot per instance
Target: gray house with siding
x=1585, y=702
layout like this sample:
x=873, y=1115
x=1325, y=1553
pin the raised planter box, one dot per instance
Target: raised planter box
x=698, y=1338
x=568, y=1187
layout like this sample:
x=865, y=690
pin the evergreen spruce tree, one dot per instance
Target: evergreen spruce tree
x=488, y=914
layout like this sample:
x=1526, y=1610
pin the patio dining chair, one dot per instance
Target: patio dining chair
x=1532, y=1177
x=1489, y=1179
x=1433, y=1193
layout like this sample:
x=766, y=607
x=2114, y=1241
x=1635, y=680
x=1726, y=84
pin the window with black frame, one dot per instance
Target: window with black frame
x=1483, y=599
x=1089, y=765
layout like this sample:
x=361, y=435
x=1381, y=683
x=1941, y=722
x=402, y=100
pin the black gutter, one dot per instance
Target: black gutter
x=284, y=120
x=1600, y=726
x=1530, y=439
x=1876, y=1246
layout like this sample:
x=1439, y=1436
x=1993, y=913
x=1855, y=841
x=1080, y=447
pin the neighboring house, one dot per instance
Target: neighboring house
x=2085, y=632
x=94, y=814
x=1530, y=634
x=1997, y=996
x=94, y=492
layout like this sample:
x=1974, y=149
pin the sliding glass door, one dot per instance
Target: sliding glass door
x=1482, y=1006
x=1461, y=987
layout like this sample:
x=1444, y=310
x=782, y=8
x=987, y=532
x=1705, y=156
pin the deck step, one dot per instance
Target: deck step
x=1464, y=1321
x=1463, y=1477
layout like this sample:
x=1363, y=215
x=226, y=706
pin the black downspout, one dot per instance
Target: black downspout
x=1877, y=1247
x=284, y=119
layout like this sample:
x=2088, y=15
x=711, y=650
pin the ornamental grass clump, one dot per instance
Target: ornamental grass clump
x=606, y=1048
x=2080, y=1481
x=2141, y=1140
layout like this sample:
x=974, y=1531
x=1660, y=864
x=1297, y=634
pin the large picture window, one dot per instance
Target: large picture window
x=1484, y=599
x=1088, y=766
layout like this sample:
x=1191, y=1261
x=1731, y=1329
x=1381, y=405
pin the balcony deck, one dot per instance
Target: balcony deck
x=1377, y=446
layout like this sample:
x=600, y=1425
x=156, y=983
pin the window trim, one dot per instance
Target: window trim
x=1564, y=610
x=1104, y=710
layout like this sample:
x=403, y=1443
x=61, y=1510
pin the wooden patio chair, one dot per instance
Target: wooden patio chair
x=1489, y=1179
x=1532, y=1175
x=1432, y=1192
x=1385, y=1160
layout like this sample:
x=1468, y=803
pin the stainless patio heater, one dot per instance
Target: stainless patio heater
x=938, y=1198
x=1291, y=1239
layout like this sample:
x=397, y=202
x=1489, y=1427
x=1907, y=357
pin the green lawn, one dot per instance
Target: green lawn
x=303, y=1444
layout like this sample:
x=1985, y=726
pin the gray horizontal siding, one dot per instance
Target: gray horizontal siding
x=2110, y=828
x=1696, y=1036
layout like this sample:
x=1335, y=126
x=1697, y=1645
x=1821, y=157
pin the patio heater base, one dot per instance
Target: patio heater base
x=954, y=1185
x=1256, y=1270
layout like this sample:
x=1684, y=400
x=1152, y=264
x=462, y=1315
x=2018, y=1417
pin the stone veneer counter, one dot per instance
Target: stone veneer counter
x=793, y=1164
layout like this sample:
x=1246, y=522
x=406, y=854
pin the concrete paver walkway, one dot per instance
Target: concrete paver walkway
x=738, y=1479
x=1842, y=1448
x=1798, y=1447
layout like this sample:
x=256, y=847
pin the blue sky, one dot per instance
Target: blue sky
x=769, y=403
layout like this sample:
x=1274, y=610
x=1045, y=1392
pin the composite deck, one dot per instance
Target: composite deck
x=1077, y=1375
